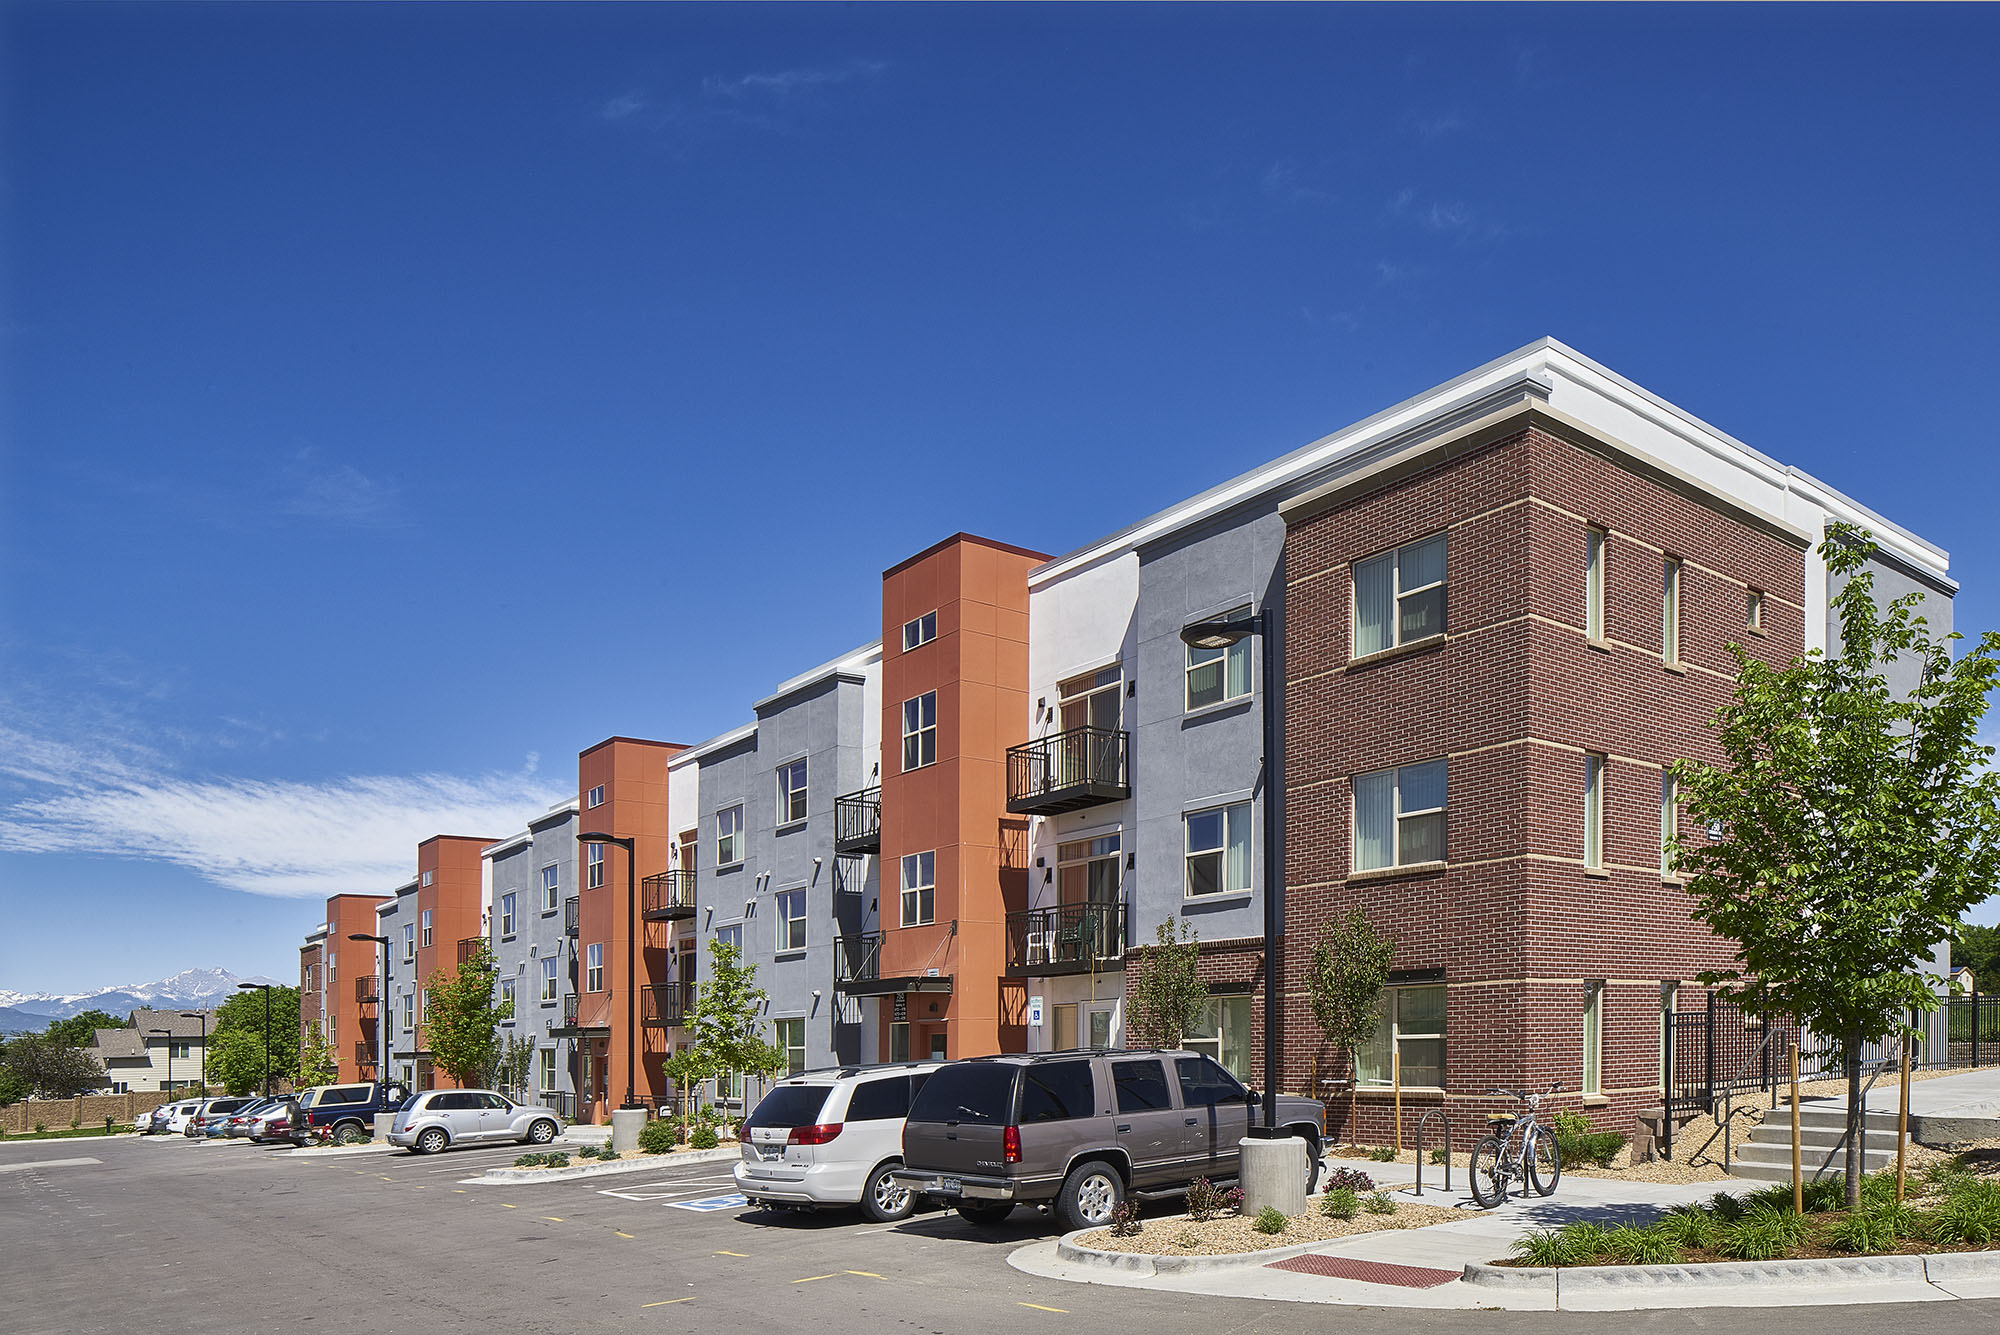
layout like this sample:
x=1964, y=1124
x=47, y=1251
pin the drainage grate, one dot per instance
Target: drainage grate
x=1370, y=1272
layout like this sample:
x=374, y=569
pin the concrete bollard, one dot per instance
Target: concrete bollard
x=1274, y=1174
x=626, y=1124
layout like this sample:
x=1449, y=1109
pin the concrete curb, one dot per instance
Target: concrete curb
x=1069, y=1250
x=1940, y=1267
x=652, y=1163
x=1737, y=1274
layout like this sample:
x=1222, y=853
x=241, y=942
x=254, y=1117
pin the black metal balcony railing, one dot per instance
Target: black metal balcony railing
x=571, y=907
x=1067, y=771
x=1068, y=938
x=665, y=896
x=857, y=968
x=365, y=992
x=364, y=1054
x=467, y=945
x=569, y=1010
x=664, y=1005
x=857, y=822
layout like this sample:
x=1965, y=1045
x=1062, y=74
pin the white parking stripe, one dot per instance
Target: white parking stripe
x=44, y=1163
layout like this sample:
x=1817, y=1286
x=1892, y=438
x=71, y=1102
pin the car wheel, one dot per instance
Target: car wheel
x=984, y=1213
x=1313, y=1163
x=884, y=1200
x=347, y=1133
x=432, y=1140
x=542, y=1132
x=1091, y=1193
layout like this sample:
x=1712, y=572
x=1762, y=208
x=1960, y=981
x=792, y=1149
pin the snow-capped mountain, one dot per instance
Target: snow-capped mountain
x=192, y=988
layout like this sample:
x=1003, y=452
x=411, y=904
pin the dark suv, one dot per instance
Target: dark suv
x=344, y=1114
x=1082, y=1130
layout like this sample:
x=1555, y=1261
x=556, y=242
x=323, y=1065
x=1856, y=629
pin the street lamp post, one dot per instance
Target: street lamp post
x=203, y=1017
x=167, y=1034
x=381, y=1007
x=265, y=988
x=631, y=951
x=1220, y=633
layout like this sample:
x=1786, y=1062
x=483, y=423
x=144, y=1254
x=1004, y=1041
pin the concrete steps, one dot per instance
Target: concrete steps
x=1767, y=1155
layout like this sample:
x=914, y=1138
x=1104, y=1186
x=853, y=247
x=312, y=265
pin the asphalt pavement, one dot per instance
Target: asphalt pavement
x=179, y=1236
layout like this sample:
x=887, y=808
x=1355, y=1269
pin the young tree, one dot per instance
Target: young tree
x=1856, y=825
x=318, y=1065
x=1350, y=963
x=687, y=1069
x=515, y=1065
x=724, y=1027
x=52, y=1070
x=1168, y=997
x=80, y=1030
x=236, y=1044
x=463, y=1030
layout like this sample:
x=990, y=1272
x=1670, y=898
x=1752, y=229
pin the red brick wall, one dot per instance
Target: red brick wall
x=1515, y=696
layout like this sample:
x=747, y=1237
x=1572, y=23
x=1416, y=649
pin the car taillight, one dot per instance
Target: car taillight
x=814, y=1135
x=1010, y=1145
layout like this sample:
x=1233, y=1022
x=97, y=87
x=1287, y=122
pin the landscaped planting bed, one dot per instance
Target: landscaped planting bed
x=1948, y=1208
x=1214, y=1227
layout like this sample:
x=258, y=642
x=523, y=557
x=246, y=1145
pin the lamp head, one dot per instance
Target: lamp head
x=1218, y=632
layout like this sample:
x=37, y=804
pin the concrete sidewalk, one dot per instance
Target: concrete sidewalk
x=1950, y=1110
x=1483, y=1236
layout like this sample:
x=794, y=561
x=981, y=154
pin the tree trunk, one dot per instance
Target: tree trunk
x=1851, y=1058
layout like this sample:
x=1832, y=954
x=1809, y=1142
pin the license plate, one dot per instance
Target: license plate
x=949, y=1186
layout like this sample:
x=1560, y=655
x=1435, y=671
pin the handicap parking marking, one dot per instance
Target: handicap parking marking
x=735, y=1200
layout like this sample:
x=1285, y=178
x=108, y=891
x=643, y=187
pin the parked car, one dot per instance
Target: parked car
x=344, y=1113
x=176, y=1116
x=1079, y=1131
x=156, y=1120
x=439, y=1118
x=213, y=1114
x=271, y=1124
x=833, y=1137
x=237, y=1124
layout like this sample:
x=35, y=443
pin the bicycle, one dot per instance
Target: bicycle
x=1524, y=1150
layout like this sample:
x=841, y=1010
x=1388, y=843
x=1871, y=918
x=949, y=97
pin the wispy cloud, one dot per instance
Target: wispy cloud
x=784, y=83
x=316, y=488
x=625, y=104
x=1285, y=182
x=279, y=487
x=1443, y=217
x=1436, y=125
x=1387, y=272
x=767, y=100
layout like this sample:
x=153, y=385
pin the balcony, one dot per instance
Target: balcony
x=1068, y=771
x=667, y=895
x=1070, y=938
x=665, y=1005
x=467, y=946
x=857, y=969
x=857, y=822
x=364, y=1055
x=571, y=907
x=366, y=992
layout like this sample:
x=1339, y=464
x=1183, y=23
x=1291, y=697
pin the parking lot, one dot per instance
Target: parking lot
x=122, y=1235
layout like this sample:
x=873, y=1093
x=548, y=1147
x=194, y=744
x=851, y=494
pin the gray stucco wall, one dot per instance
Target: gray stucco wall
x=538, y=935
x=402, y=981
x=1184, y=761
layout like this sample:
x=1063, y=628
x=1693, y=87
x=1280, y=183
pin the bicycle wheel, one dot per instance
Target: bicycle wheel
x=1489, y=1180
x=1545, y=1164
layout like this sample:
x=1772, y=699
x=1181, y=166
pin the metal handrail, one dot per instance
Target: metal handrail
x=857, y=817
x=667, y=892
x=1066, y=934
x=1421, y=1123
x=571, y=911
x=1076, y=757
x=857, y=958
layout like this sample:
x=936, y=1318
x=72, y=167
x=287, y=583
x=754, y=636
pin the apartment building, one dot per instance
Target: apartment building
x=532, y=911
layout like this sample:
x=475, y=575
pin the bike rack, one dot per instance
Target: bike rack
x=1421, y=1123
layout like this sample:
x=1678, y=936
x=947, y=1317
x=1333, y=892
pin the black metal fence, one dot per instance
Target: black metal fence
x=1717, y=1050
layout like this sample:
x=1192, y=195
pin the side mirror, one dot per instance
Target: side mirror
x=1252, y=1097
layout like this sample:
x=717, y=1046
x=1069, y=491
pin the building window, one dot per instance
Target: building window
x=1399, y=816
x=792, y=919
x=428, y=877
x=548, y=1067
x=729, y=836
x=1399, y=597
x=424, y=1004
x=1411, y=1025
x=1670, y=819
x=593, y=866
x=409, y=942
x=791, y=792
x=1593, y=809
x=731, y=936
x=920, y=731
x=596, y=797
x=549, y=979
x=1216, y=675
x=551, y=887
x=919, y=889
x=1593, y=583
x=1593, y=1038
x=409, y=1009
x=1670, y=612
x=506, y=916
x=1223, y=1032
x=180, y=1052
x=426, y=941
x=507, y=997
x=593, y=974
x=899, y=1041
x=790, y=1036
x=1754, y=610
x=921, y=631
x=1218, y=850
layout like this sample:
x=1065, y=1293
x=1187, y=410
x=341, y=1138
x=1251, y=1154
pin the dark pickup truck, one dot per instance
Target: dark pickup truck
x=344, y=1114
x=1082, y=1130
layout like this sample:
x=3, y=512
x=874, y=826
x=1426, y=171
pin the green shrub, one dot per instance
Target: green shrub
x=1378, y=1202
x=1543, y=1247
x=1581, y=1143
x=556, y=1160
x=1762, y=1235
x=76, y=1124
x=1876, y=1188
x=1828, y=1194
x=659, y=1135
x=41, y=1127
x=586, y=1151
x=1641, y=1246
x=1352, y=1178
x=1205, y=1200
x=1968, y=1216
x=1270, y=1219
x=703, y=1138
x=1689, y=1227
x=1585, y=1242
x=1874, y=1228
x=1382, y=1154
x=1339, y=1203
x=1725, y=1207
x=530, y=1160
x=1437, y=1156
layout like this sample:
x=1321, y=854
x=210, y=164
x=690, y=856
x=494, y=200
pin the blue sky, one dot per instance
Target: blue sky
x=398, y=399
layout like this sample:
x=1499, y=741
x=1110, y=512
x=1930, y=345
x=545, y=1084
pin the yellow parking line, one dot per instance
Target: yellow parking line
x=744, y=1255
x=668, y=1302
x=1039, y=1308
x=388, y=1179
x=866, y=1274
x=810, y=1278
x=629, y=1235
x=505, y=1206
x=555, y=1219
x=458, y=1191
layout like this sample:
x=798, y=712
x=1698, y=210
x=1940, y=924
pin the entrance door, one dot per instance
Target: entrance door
x=1098, y=1016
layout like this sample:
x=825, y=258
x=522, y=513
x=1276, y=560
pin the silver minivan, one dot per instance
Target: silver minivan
x=832, y=1138
x=438, y=1118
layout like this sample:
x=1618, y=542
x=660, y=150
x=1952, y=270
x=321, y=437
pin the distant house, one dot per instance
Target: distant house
x=1963, y=980
x=140, y=1061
